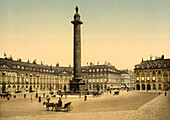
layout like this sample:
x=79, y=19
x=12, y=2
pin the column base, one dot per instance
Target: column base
x=78, y=86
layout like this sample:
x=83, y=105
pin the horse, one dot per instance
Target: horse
x=49, y=105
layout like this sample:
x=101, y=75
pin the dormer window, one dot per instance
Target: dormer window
x=148, y=65
x=165, y=65
x=159, y=65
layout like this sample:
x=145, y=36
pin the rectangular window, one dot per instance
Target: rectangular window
x=17, y=80
x=143, y=78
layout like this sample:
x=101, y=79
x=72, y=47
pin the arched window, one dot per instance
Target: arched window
x=165, y=65
x=159, y=72
x=160, y=87
x=14, y=66
x=154, y=87
x=137, y=87
x=159, y=65
x=143, y=87
x=148, y=65
x=143, y=66
x=153, y=66
x=148, y=87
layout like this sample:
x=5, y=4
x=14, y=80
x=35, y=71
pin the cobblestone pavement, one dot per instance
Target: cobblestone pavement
x=127, y=106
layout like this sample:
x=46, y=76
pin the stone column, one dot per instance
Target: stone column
x=77, y=85
x=77, y=45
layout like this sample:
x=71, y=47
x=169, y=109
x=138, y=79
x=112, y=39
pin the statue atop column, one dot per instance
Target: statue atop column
x=77, y=9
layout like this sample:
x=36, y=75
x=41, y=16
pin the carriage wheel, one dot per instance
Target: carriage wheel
x=57, y=108
x=69, y=108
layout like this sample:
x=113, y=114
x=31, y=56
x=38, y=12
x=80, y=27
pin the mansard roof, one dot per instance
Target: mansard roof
x=154, y=64
x=14, y=64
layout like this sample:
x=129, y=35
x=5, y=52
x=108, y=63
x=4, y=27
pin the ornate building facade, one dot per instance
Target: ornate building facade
x=127, y=80
x=101, y=77
x=22, y=76
x=153, y=74
x=16, y=75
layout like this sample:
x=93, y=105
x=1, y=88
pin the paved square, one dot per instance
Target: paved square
x=124, y=106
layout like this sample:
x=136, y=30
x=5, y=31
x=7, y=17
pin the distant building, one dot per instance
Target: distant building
x=153, y=74
x=16, y=76
x=127, y=80
x=101, y=77
x=27, y=77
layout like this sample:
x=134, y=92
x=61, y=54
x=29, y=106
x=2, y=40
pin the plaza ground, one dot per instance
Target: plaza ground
x=128, y=105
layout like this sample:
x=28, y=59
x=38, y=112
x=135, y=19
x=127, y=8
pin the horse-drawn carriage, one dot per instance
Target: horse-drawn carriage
x=5, y=94
x=67, y=107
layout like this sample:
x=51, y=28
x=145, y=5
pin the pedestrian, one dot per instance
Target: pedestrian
x=159, y=93
x=60, y=102
x=43, y=94
x=48, y=98
x=36, y=95
x=39, y=100
x=110, y=91
x=24, y=95
x=31, y=98
x=8, y=97
x=165, y=93
x=85, y=97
